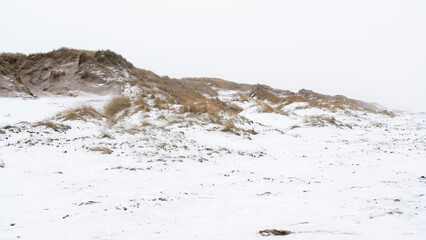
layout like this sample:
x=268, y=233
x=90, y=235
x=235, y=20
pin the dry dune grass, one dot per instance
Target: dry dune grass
x=142, y=104
x=201, y=107
x=261, y=93
x=80, y=113
x=226, y=107
x=334, y=105
x=193, y=101
x=224, y=84
x=178, y=94
x=175, y=91
x=160, y=104
x=9, y=62
x=103, y=150
x=198, y=85
x=241, y=97
x=388, y=113
x=295, y=98
x=313, y=95
x=330, y=104
x=211, y=106
x=117, y=104
x=143, y=77
x=208, y=85
x=265, y=108
x=229, y=126
x=55, y=126
x=320, y=121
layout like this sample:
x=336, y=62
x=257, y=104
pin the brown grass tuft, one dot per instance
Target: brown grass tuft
x=211, y=106
x=146, y=124
x=327, y=103
x=207, y=85
x=320, y=121
x=261, y=93
x=142, y=104
x=103, y=150
x=201, y=107
x=116, y=105
x=80, y=113
x=266, y=108
x=55, y=126
x=229, y=126
x=241, y=97
x=295, y=98
x=388, y=113
x=160, y=104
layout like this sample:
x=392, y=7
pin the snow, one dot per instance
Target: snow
x=226, y=95
x=185, y=180
x=130, y=91
x=294, y=106
x=14, y=110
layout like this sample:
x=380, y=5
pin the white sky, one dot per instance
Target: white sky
x=369, y=50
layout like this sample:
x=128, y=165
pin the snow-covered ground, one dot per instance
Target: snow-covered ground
x=182, y=180
x=14, y=110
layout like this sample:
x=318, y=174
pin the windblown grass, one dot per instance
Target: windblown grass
x=326, y=103
x=160, y=104
x=320, y=121
x=80, y=113
x=55, y=126
x=142, y=104
x=229, y=126
x=116, y=105
x=261, y=93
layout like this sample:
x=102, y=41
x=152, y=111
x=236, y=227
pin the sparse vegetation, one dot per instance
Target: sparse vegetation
x=175, y=92
x=116, y=105
x=146, y=124
x=388, y=113
x=80, y=113
x=295, y=98
x=211, y=106
x=241, y=97
x=105, y=135
x=142, y=104
x=158, y=103
x=269, y=232
x=252, y=131
x=55, y=126
x=229, y=126
x=321, y=121
x=261, y=93
x=207, y=85
x=326, y=102
x=265, y=108
x=201, y=107
x=293, y=127
x=161, y=117
x=103, y=150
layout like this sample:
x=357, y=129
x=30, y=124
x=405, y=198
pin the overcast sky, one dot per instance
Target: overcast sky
x=369, y=50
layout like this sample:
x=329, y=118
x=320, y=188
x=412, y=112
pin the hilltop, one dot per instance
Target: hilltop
x=71, y=72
